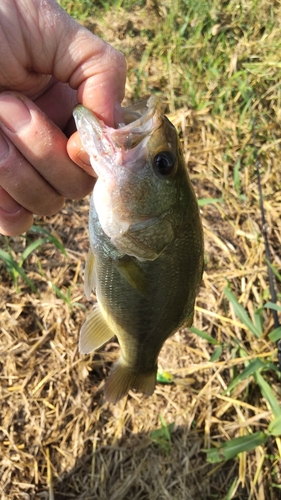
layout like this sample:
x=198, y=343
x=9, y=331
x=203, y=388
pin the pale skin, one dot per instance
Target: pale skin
x=48, y=63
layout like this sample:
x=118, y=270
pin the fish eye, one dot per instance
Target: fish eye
x=164, y=162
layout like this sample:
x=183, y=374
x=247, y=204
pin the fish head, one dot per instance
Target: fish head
x=143, y=185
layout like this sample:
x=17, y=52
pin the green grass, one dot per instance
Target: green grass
x=162, y=437
x=15, y=263
x=254, y=369
x=14, y=267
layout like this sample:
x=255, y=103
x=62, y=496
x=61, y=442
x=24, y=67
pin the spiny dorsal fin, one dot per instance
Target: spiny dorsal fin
x=90, y=278
x=95, y=332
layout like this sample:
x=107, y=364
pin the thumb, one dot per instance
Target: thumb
x=91, y=66
x=49, y=42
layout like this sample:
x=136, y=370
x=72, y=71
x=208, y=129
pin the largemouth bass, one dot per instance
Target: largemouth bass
x=146, y=245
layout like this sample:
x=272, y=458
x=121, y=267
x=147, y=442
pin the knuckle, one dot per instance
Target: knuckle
x=15, y=224
x=53, y=205
x=79, y=189
x=7, y=162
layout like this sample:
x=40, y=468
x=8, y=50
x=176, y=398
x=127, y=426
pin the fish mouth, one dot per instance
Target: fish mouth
x=125, y=145
x=139, y=121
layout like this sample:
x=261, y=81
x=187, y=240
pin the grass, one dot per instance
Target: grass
x=16, y=268
x=212, y=429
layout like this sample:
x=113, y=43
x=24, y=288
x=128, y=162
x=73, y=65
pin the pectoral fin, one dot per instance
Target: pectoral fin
x=95, y=332
x=132, y=273
x=90, y=278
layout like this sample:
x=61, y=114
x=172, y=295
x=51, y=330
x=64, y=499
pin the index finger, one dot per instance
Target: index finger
x=77, y=154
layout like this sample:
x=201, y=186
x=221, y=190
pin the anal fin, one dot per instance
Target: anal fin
x=94, y=332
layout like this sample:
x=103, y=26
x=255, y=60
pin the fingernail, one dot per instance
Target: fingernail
x=84, y=157
x=7, y=203
x=14, y=114
x=4, y=148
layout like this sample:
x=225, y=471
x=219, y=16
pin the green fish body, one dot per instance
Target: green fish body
x=146, y=244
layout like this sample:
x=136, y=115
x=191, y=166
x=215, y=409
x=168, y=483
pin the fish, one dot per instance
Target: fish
x=145, y=260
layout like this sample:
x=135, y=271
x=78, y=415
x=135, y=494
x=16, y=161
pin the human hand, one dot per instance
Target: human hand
x=48, y=63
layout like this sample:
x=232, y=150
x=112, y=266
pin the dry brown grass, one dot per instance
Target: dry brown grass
x=59, y=439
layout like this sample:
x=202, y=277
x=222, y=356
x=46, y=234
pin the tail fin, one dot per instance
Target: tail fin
x=121, y=379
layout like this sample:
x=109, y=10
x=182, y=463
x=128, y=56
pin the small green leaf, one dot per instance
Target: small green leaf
x=216, y=354
x=268, y=395
x=162, y=436
x=207, y=201
x=242, y=314
x=31, y=248
x=232, y=448
x=252, y=368
x=26, y=279
x=275, y=334
x=272, y=305
x=8, y=261
x=274, y=427
x=60, y=294
x=51, y=237
x=236, y=178
x=229, y=494
x=258, y=318
x=276, y=485
x=203, y=335
x=167, y=428
x=12, y=266
x=278, y=275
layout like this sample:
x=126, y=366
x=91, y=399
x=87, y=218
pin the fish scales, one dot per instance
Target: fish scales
x=156, y=315
x=146, y=256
